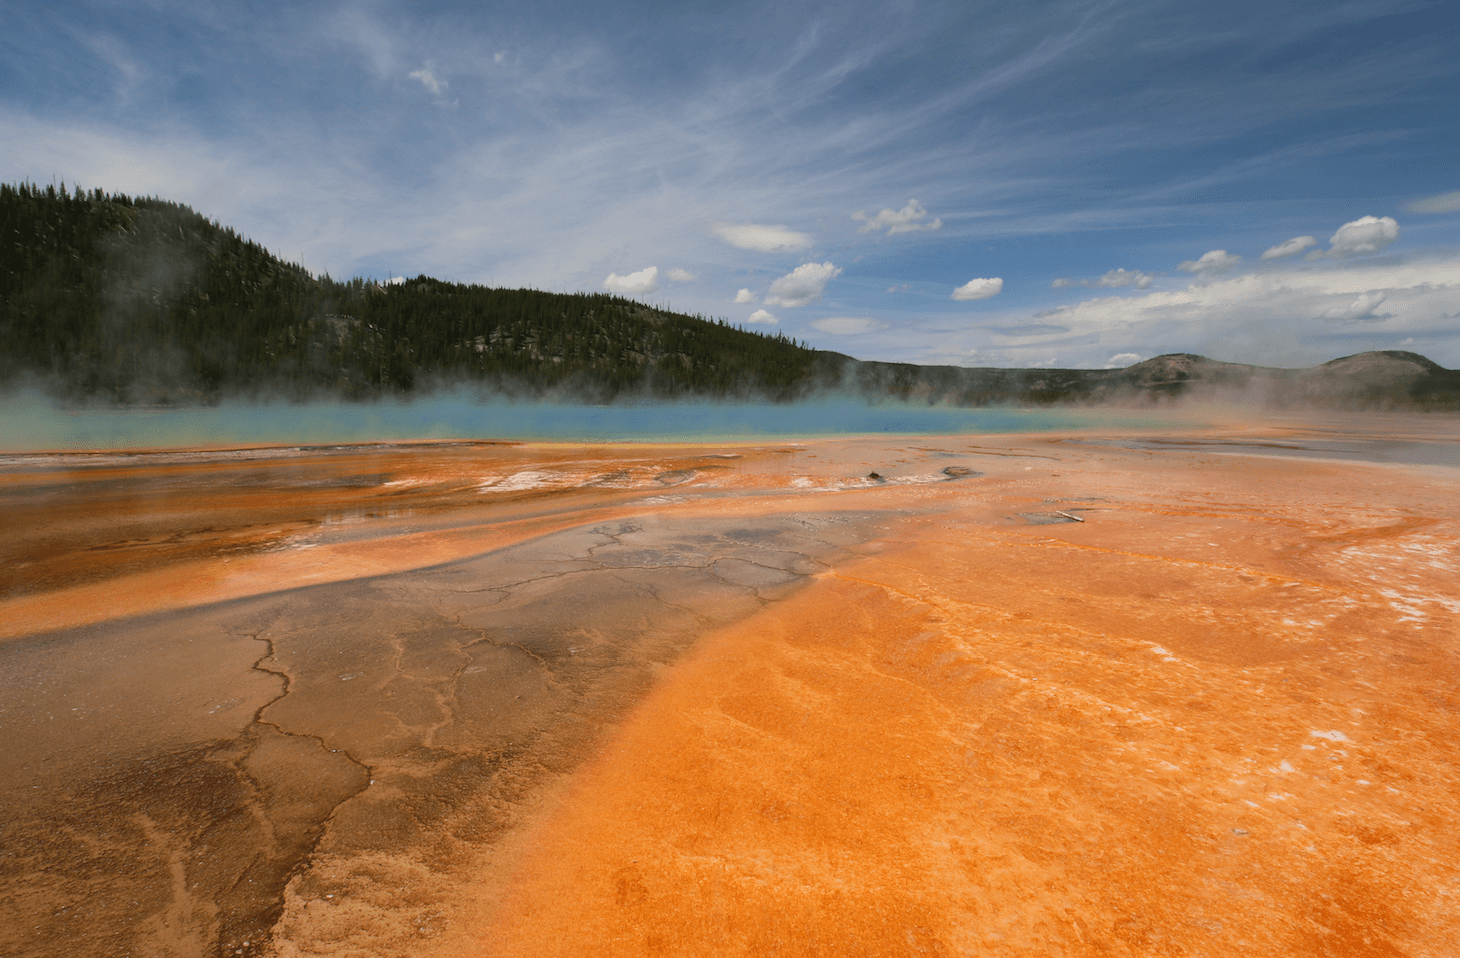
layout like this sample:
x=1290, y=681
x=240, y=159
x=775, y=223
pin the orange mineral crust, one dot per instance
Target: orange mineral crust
x=1187, y=692
x=97, y=536
x=1219, y=716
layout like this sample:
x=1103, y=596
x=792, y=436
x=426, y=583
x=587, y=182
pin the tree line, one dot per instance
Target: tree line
x=139, y=300
x=143, y=300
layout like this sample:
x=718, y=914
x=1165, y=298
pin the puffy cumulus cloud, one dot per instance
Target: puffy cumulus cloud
x=848, y=325
x=762, y=239
x=1117, y=278
x=1212, y=261
x=1440, y=203
x=427, y=76
x=763, y=317
x=1367, y=234
x=1288, y=247
x=1362, y=307
x=979, y=289
x=906, y=220
x=644, y=281
x=744, y=296
x=1122, y=360
x=802, y=285
x=1062, y=282
x=680, y=275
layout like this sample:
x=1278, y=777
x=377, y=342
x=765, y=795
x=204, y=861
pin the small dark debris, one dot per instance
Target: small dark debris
x=875, y=475
x=1045, y=518
x=960, y=472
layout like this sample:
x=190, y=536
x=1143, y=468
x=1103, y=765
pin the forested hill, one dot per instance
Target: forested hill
x=109, y=298
x=133, y=300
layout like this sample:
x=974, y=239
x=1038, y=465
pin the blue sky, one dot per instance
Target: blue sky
x=1009, y=184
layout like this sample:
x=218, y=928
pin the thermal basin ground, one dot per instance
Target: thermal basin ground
x=1178, y=693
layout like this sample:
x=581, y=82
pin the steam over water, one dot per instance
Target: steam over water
x=32, y=423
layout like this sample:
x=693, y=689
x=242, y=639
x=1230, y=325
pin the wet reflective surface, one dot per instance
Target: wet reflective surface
x=1015, y=695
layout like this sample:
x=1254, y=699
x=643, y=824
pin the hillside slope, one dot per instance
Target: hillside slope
x=1374, y=380
x=145, y=301
x=105, y=297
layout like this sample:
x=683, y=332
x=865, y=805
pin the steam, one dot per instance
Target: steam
x=33, y=423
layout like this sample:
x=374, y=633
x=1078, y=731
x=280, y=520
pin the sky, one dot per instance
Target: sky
x=1076, y=184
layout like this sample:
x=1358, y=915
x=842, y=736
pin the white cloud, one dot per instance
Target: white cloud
x=427, y=76
x=1121, y=360
x=1213, y=261
x=763, y=239
x=1117, y=278
x=1114, y=279
x=904, y=220
x=802, y=285
x=979, y=289
x=1367, y=234
x=848, y=325
x=744, y=296
x=1440, y=203
x=1362, y=307
x=680, y=275
x=1288, y=247
x=761, y=316
x=1279, y=316
x=644, y=281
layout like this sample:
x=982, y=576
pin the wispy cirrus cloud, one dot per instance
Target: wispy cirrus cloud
x=848, y=325
x=1439, y=203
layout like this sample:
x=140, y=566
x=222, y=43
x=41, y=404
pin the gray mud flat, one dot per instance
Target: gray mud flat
x=202, y=783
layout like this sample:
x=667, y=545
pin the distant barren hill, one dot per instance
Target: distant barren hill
x=1388, y=379
x=1375, y=379
x=105, y=297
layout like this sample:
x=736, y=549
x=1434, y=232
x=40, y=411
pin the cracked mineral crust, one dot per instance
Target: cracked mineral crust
x=516, y=699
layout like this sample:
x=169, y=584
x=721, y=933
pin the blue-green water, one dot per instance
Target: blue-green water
x=33, y=424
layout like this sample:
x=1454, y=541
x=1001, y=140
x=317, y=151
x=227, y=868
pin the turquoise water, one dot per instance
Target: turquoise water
x=32, y=424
